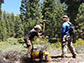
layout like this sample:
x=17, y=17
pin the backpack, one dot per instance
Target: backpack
x=72, y=29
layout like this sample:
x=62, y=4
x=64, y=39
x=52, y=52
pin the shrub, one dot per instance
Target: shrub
x=10, y=57
x=56, y=45
x=79, y=42
x=21, y=40
x=40, y=41
x=12, y=41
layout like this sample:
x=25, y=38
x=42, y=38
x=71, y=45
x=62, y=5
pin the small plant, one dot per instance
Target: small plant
x=56, y=45
x=12, y=41
x=40, y=41
x=79, y=42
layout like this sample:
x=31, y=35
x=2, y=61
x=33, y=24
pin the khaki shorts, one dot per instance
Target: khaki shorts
x=28, y=41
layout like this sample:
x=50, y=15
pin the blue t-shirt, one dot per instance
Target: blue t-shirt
x=65, y=29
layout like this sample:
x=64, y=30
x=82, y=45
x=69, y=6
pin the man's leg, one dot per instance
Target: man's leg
x=64, y=49
x=64, y=46
x=72, y=49
x=30, y=47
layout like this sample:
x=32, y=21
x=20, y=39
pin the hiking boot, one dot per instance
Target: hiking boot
x=28, y=56
x=63, y=56
x=74, y=56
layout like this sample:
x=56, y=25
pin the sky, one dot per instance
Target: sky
x=12, y=6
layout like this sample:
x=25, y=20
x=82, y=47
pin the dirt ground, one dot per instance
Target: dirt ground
x=58, y=59
x=68, y=59
x=16, y=57
x=55, y=57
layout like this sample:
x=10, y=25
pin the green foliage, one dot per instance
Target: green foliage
x=12, y=41
x=30, y=14
x=19, y=32
x=79, y=42
x=28, y=25
x=1, y=1
x=3, y=30
x=40, y=41
x=80, y=21
x=56, y=45
x=72, y=8
x=35, y=11
x=53, y=11
x=10, y=26
x=12, y=44
x=7, y=20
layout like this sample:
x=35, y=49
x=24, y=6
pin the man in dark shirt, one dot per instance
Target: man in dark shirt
x=34, y=32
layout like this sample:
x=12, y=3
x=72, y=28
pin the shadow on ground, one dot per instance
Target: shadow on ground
x=27, y=60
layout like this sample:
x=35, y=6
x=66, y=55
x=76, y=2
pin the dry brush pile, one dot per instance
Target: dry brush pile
x=13, y=57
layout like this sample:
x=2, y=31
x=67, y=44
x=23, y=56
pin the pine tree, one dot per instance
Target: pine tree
x=9, y=23
x=4, y=16
x=53, y=11
x=35, y=11
x=80, y=21
x=3, y=30
x=30, y=13
x=1, y=1
x=23, y=10
x=18, y=27
x=7, y=20
x=12, y=24
x=72, y=8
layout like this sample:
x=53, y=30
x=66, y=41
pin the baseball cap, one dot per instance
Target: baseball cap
x=38, y=26
x=65, y=16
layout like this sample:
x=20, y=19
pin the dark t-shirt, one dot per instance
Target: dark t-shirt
x=32, y=34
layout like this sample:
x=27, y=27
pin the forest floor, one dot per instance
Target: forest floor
x=13, y=56
x=16, y=57
x=56, y=58
x=17, y=54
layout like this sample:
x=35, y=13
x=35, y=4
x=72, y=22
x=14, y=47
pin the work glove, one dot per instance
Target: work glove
x=43, y=33
x=42, y=36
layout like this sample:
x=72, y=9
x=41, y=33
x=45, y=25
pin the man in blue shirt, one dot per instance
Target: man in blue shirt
x=66, y=39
